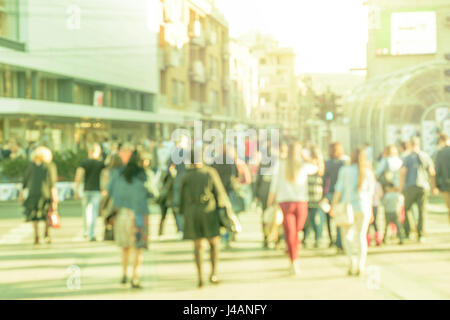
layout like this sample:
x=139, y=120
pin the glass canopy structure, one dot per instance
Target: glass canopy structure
x=403, y=97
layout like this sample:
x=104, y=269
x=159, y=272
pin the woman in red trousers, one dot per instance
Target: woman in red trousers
x=289, y=188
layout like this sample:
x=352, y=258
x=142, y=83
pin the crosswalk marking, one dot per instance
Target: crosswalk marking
x=18, y=234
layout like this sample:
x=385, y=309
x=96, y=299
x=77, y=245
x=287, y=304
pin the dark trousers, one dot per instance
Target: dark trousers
x=311, y=224
x=338, y=241
x=164, y=210
x=415, y=195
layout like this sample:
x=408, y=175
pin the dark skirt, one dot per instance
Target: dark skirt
x=36, y=208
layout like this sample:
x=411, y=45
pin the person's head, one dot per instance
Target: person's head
x=389, y=187
x=95, y=151
x=360, y=158
x=42, y=155
x=133, y=167
x=125, y=152
x=415, y=143
x=293, y=160
x=146, y=159
x=392, y=151
x=315, y=153
x=115, y=162
x=405, y=146
x=443, y=140
x=336, y=150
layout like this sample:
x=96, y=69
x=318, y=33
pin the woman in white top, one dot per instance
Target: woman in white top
x=289, y=188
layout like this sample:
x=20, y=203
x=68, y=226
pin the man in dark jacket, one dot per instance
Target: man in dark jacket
x=443, y=169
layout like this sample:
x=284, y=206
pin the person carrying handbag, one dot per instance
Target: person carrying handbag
x=352, y=208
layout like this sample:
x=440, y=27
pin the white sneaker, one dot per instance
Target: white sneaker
x=180, y=235
x=295, y=268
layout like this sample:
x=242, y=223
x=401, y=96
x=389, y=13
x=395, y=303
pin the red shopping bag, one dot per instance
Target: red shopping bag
x=54, y=220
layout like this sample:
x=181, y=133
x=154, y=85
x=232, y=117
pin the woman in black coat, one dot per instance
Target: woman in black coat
x=202, y=193
x=40, y=179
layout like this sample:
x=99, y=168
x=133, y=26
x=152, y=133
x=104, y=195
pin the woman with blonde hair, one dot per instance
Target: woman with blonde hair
x=289, y=188
x=355, y=186
x=40, y=179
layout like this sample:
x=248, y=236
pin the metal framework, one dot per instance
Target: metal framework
x=401, y=97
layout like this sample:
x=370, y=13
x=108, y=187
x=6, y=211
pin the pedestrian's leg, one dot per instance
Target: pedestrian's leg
x=308, y=225
x=409, y=201
x=339, y=238
x=95, y=201
x=399, y=230
x=330, y=236
x=347, y=233
x=136, y=265
x=320, y=226
x=447, y=201
x=421, y=204
x=125, y=258
x=214, y=256
x=47, y=232
x=362, y=224
x=163, y=219
x=198, y=253
x=290, y=229
x=36, y=232
x=84, y=215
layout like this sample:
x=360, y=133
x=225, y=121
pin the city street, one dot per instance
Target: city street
x=411, y=271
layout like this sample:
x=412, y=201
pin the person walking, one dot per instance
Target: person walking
x=289, y=188
x=443, y=169
x=415, y=176
x=355, y=185
x=127, y=188
x=376, y=203
x=90, y=171
x=388, y=169
x=315, y=195
x=201, y=195
x=262, y=187
x=336, y=160
x=39, y=180
x=225, y=166
x=393, y=202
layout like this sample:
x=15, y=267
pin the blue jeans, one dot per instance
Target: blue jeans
x=91, y=206
x=312, y=212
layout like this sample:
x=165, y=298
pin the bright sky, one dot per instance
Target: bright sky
x=327, y=35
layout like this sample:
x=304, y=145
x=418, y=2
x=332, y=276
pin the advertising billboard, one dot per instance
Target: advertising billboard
x=406, y=32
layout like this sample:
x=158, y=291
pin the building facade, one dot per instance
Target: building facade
x=194, y=61
x=73, y=72
x=277, y=85
x=404, y=33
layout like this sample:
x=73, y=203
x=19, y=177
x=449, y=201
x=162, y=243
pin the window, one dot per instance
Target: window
x=48, y=89
x=83, y=94
x=9, y=21
x=178, y=94
x=8, y=84
x=213, y=100
x=213, y=68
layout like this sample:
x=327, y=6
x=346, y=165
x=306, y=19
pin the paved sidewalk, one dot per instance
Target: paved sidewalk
x=411, y=271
